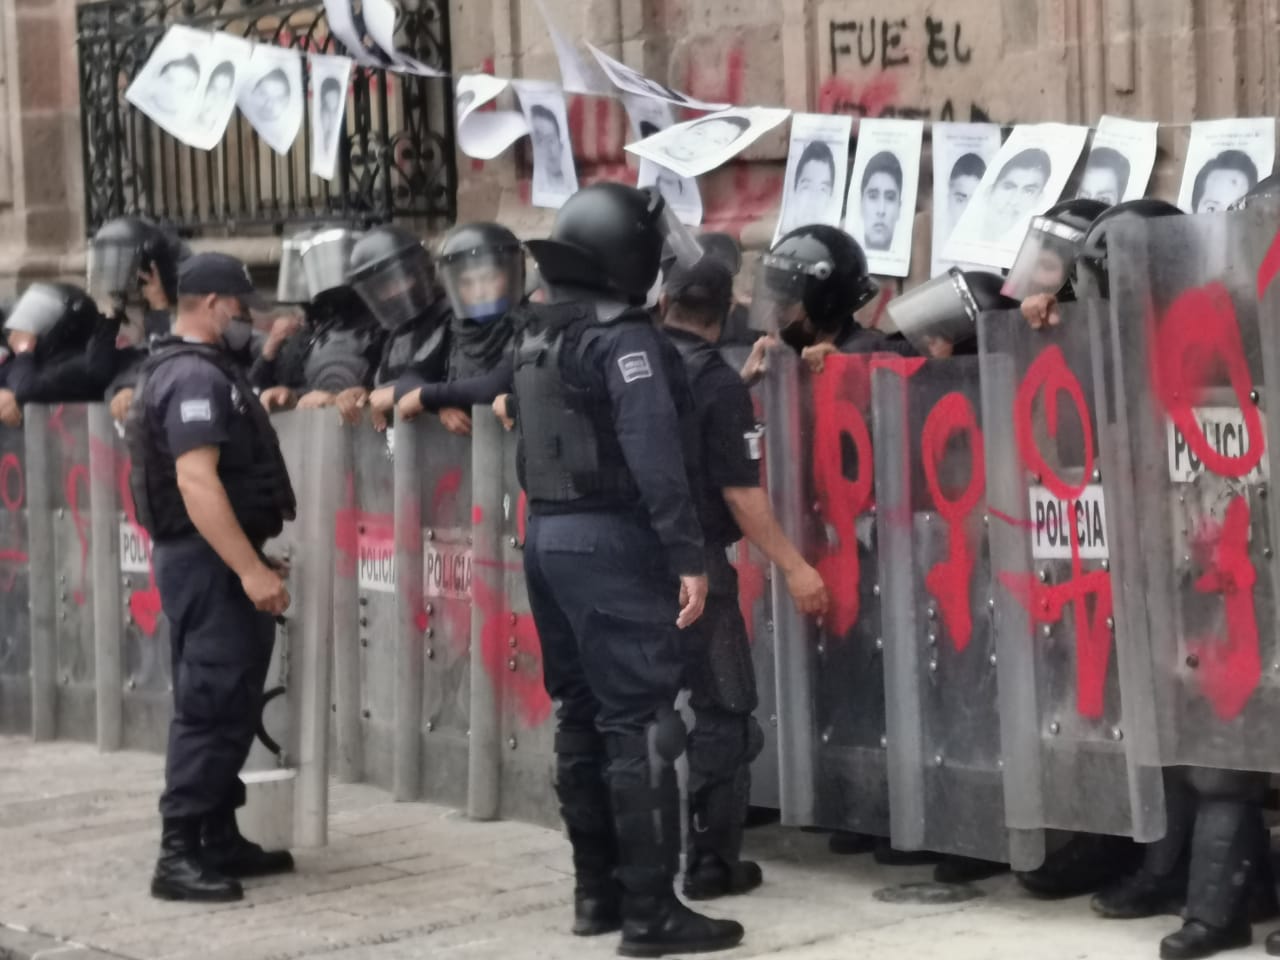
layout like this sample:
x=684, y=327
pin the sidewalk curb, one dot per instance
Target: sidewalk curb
x=19, y=944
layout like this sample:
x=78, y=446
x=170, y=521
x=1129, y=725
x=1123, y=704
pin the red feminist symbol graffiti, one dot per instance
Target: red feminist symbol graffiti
x=12, y=556
x=1046, y=603
x=949, y=580
x=1198, y=337
x=837, y=418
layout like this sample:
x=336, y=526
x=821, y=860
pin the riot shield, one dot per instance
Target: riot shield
x=15, y=614
x=946, y=788
x=1195, y=376
x=512, y=721
x=830, y=679
x=1075, y=725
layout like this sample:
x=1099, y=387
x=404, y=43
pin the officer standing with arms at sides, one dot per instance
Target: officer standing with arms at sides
x=482, y=270
x=393, y=274
x=211, y=488
x=614, y=560
x=695, y=304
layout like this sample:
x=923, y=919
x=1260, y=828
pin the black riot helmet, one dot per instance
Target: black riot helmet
x=1091, y=270
x=392, y=272
x=61, y=316
x=1048, y=252
x=947, y=308
x=482, y=271
x=1267, y=190
x=607, y=237
x=127, y=246
x=819, y=268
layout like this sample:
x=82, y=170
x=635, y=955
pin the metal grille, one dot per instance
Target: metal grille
x=396, y=157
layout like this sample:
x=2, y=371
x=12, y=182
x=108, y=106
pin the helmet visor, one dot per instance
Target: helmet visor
x=940, y=311
x=114, y=267
x=1044, y=260
x=483, y=284
x=780, y=289
x=37, y=311
x=325, y=256
x=396, y=290
x=291, y=284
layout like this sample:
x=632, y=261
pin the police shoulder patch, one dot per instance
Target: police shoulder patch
x=196, y=411
x=635, y=366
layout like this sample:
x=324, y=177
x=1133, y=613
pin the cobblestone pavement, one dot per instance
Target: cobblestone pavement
x=78, y=831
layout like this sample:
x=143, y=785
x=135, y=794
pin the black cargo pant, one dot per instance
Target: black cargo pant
x=605, y=605
x=221, y=648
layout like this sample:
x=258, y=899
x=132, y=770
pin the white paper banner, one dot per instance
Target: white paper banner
x=271, y=96
x=165, y=88
x=881, y=207
x=961, y=154
x=632, y=81
x=648, y=117
x=554, y=177
x=1120, y=162
x=330, y=82
x=1225, y=160
x=817, y=169
x=484, y=134
x=576, y=73
x=699, y=146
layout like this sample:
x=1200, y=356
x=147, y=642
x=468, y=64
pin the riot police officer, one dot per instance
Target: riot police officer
x=695, y=305
x=63, y=350
x=211, y=487
x=481, y=268
x=614, y=560
x=330, y=356
x=134, y=263
x=393, y=274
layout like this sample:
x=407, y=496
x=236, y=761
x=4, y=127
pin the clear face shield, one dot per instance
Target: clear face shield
x=483, y=284
x=1044, y=260
x=396, y=289
x=679, y=238
x=325, y=255
x=38, y=310
x=938, y=315
x=777, y=303
x=114, y=268
x=291, y=284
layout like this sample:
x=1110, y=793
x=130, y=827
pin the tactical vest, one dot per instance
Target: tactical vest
x=568, y=447
x=261, y=495
x=338, y=359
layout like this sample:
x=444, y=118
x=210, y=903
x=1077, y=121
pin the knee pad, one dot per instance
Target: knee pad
x=669, y=735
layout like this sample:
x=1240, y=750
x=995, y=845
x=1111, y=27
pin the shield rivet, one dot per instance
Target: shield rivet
x=879, y=643
x=1055, y=728
x=1047, y=630
x=1097, y=474
x=884, y=741
x=511, y=742
x=1117, y=734
x=937, y=759
x=1106, y=564
x=875, y=590
x=1042, y=575
x=993, y=659
x=1193, y=661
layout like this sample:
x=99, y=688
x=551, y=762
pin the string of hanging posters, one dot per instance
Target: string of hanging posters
x=195, y=80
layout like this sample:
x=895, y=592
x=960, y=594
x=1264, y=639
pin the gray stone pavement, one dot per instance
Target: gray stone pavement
x=78, y=835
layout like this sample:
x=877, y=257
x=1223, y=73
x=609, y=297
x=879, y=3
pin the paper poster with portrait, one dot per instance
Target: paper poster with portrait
x=330, y=81
x=699, y=146
x=554, y=178
x=380, y=21
x=225, y=62
x=1026, y=178
x=165, y=88
x=817, y=168
x=1225, y=160
x=961, y=154
x=271, y=95
x=578, y=74
x=484, y=134
x=1120, y=161
x=633, y=81
x=648, y=117
x=342, y=24
x=880, y=212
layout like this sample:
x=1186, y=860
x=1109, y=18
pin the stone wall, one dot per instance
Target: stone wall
x=1006, y=60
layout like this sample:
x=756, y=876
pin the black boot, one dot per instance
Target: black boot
x=845, y=843
x=1140, y=895
x=588, y=819
x=230, y=853
x=1196, y=940
x=646, y=810
x=717, y=813
x=1273, y=943
x=966, y=869
x=181, y=874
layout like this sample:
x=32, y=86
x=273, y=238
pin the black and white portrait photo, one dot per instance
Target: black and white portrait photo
x=554, y=177
x=225, y=59
x=699, y=146
x=271, y=95
x=167, y=87
x=633, y=81
x=1120, y=161
x=817, y=165
x=648, y=117
x=1225, y=160
x=880, y=210
x=961, y=154
x=330, y=80
x=1023, y=180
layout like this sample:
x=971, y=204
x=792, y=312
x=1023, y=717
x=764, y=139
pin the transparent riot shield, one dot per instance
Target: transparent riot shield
x=946, y=790
x=61, y=592
x=1195, y=376
x=830, y=678
x=756, y=603
x=1075, y=726
x=15, y=613
x=512, y=721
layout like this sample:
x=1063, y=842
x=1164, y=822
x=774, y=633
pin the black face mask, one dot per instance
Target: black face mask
x=795, y=336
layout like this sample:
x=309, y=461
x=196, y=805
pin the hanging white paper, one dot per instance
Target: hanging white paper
x=881, y=207
x=226, y=61
x=342, y=24
x=633, y=81
x=484, y=134
x=962, y=152
x=817, y=168
x=1225, y=160
x=380, y=20
x=271, y=95
x=577, y=74
x=648, y=117
x=1120, y=162
x=1025, y=179
x=554, y=178
x=330, y=81
x=699, y=146
x=165, y=88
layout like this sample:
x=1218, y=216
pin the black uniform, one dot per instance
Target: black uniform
x=340, y=349
x=422, y=344
x=191, y=396
x=726, y=736
x=477, y=356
